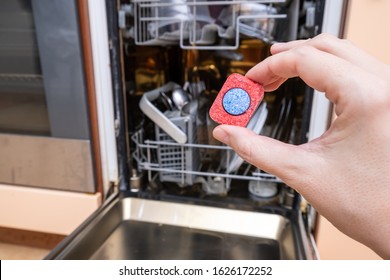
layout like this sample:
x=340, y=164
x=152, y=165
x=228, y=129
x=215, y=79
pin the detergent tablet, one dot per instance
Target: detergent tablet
x=237, y=101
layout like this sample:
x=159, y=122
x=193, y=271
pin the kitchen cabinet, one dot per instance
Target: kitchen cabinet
x=49, y=164
x=41, y=210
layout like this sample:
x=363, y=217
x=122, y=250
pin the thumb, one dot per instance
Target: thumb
x=288, y=162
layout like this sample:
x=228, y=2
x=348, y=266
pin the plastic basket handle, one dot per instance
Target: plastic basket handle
x=158, y=117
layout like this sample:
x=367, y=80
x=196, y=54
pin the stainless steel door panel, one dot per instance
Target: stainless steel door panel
x=46, y=162
x=43, y=94
x=133, y=228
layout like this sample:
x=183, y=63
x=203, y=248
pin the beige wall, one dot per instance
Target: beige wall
x=334, y=245
x=367, y=25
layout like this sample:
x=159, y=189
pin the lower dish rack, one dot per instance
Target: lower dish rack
x=190, y=163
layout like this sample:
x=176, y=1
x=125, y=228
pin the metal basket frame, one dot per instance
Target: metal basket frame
x=145, y=149
x=147, y=12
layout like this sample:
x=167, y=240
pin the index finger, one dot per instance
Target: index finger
x=341, y=48
x=323, y=71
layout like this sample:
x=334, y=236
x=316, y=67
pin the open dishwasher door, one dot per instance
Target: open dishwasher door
x=143, y=229
x=180, y=194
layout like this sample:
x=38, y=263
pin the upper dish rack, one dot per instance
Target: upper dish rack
x=202, y=24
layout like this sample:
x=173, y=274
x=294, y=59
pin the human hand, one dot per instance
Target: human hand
x=344, y=173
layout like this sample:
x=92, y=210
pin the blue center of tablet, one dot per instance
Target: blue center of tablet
x=236, y=101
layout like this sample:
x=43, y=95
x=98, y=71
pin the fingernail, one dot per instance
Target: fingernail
x=220, y=134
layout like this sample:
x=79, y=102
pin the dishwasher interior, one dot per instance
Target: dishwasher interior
x=189, y=196
x=177, y=55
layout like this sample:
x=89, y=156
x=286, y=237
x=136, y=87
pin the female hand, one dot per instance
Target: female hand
x=344, y=174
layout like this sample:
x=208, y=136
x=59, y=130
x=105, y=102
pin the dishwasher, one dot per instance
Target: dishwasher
x=182, y=194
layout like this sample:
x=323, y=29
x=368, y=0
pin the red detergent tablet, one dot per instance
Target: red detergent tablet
x=237, y=101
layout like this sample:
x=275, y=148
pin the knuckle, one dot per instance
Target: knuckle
x=325, y=37
x=347, y=42
x=328, y=42
x=303, y=51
